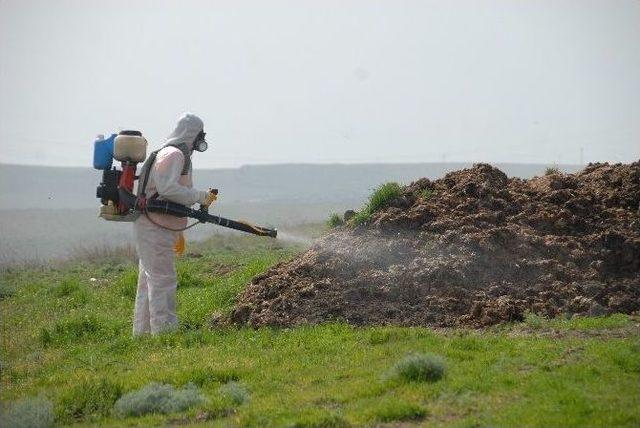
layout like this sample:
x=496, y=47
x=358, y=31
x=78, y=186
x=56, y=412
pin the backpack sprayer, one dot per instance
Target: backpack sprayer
x=119, y=203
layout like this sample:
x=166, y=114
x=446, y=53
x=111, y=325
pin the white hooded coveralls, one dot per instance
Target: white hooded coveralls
x=155, y=307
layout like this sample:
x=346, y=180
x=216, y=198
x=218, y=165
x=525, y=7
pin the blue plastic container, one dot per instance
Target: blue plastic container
x=103, y=152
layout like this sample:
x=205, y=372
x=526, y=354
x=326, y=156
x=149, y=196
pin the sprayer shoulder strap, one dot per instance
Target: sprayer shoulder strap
x=146, y=171
x=146, y=168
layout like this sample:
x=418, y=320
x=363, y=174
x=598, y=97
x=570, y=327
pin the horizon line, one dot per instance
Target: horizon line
x=332, y=164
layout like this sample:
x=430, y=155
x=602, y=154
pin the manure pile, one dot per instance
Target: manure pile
x=474, y=248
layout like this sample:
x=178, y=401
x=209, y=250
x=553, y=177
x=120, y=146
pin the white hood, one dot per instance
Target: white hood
x=188, y=127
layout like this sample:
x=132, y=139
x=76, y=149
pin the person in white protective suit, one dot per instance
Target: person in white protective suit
x=169, y=178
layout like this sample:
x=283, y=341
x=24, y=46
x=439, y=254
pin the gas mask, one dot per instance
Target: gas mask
x=200, y=144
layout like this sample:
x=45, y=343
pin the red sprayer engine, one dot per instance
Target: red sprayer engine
x=129, y=148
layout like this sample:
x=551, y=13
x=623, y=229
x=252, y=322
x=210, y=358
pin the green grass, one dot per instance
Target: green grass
x=334, y=220
x=87, y=400
x=380, y=198
x=394, y=409
x=67, y=339
x=419, y=368
x=552, y=170
x=427, y=194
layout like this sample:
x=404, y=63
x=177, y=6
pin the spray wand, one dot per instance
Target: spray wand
x=202, y=214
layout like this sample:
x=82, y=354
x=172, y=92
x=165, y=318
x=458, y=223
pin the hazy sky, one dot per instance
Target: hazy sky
x=325, y=81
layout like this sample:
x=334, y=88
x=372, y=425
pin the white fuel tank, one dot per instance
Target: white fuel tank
x=130, y=146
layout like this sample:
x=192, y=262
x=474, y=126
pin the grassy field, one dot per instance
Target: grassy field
x=66, y=339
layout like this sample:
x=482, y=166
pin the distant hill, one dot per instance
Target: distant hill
x=73, y=188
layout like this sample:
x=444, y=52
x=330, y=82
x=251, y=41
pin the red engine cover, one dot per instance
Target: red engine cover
x=126, y=182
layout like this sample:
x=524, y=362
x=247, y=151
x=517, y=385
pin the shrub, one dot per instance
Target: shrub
x=236, y=392
x=419, y=368
x=551, y=170
x=29, y=413
x=90, y=398
x=157, y=398
x=335, y=220
x=391, y=410
x=380, y=198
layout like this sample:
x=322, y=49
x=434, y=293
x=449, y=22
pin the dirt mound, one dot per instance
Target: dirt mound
x=474, y=248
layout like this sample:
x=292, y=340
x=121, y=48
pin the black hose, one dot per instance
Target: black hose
x=177, y=210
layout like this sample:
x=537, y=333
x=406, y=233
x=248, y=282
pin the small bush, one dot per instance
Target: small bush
x=419, y=368
x=158, y=398
x=391, y=410
x=551, y=170
x=380, y=198
x=29, y=413
x=90, y=398
x=335, y=220
x=236, y=392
